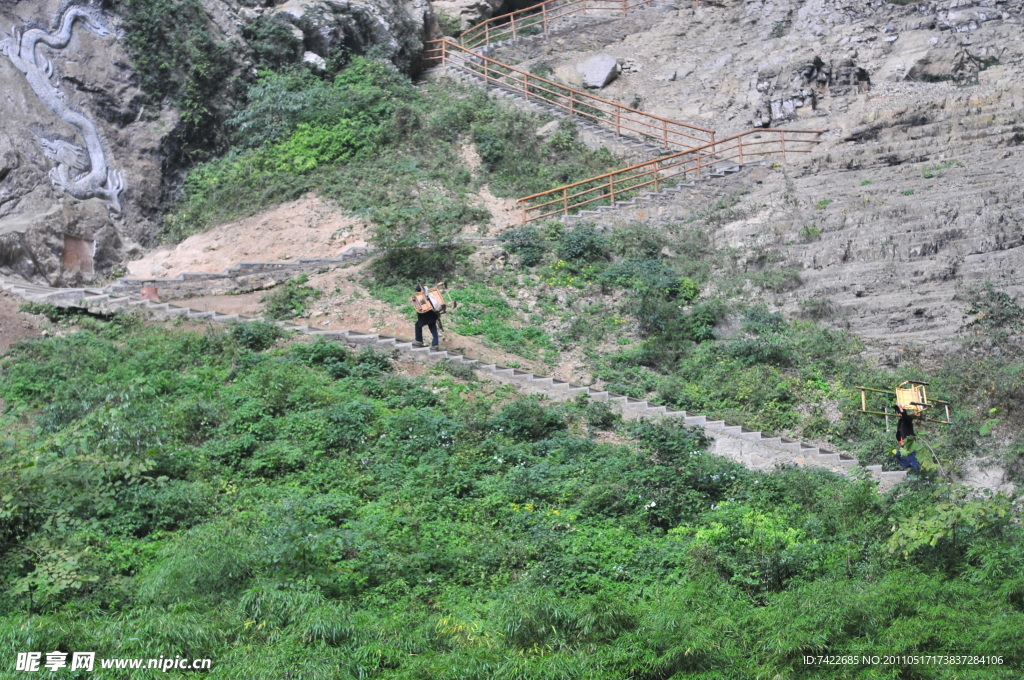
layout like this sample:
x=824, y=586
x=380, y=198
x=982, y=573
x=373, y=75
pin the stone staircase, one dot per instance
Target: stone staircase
x=721, y=170
x=753, y=449
x=635, y=150
x=629, y=147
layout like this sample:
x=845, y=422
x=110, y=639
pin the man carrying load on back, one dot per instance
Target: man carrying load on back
x=428, y=318
x=905, y=441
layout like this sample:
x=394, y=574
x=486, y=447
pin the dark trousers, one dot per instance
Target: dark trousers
x=432, y=325
x=909, y=461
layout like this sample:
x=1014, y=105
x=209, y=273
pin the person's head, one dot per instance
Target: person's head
x=418, y=289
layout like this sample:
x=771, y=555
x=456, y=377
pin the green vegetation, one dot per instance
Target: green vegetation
x=810, y=232
x=938, y=170
x=675, y=293
x=381, y=148
x=823, y=203
x=178, y=59
x=486, y=313
x=289, y=299
x=181, y=493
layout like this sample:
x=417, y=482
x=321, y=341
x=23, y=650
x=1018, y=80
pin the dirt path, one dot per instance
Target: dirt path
x=307, y=227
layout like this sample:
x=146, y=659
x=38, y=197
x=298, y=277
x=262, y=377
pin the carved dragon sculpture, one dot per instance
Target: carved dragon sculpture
x=71, y=173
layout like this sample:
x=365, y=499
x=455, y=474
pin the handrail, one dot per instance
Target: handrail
x=621, y=119
x=524, y=21
x=661, y=173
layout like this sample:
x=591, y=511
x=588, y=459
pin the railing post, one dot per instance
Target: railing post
x=572, y=103
x=565, y=201
x=524, y=213
x=664, y=133
x=487, y=71
x=513, y=22
x=782, y=139
x=698, y=164
x=611, y=189
x=624, y=7
x=739, y=144
x=526, y=87
x=656, y=176
x=544, y=17
x=618, y=115
x=487, y=34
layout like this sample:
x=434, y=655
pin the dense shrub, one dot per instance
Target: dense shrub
x=582, y=244
x=525, y=242
x=527, y=419
x=301, y=505
x=290, y=298
x=256, y=335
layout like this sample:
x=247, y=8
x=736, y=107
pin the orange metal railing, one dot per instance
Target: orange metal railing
x=623, y=120
x=662, y=173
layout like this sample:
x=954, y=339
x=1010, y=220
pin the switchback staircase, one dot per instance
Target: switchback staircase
x=680, y=154
x=753, y=449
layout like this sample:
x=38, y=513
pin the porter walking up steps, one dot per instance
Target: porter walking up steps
x=753, y=449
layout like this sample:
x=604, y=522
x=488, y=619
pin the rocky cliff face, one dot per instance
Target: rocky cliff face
x=85, y=164
x=914, y=194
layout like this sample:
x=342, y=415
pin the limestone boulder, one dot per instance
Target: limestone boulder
x=599, y=71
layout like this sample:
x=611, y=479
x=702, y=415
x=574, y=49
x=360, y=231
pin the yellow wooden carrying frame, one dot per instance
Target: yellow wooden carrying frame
x=912, y=396
x=433, y=299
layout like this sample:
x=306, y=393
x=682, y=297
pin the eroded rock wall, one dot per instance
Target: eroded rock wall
x=83, y=157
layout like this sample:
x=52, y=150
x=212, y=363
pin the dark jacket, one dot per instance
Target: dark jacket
x=427, y=317
x=905, y=426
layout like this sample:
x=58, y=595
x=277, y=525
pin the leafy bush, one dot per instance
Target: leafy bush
x=995, y=311
x=638, y=241
x=527, y=419
x=290, y=298
x=582, y=244
x=273, y=44
x=525, y=242
x=403, y=267
x=256, y=335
